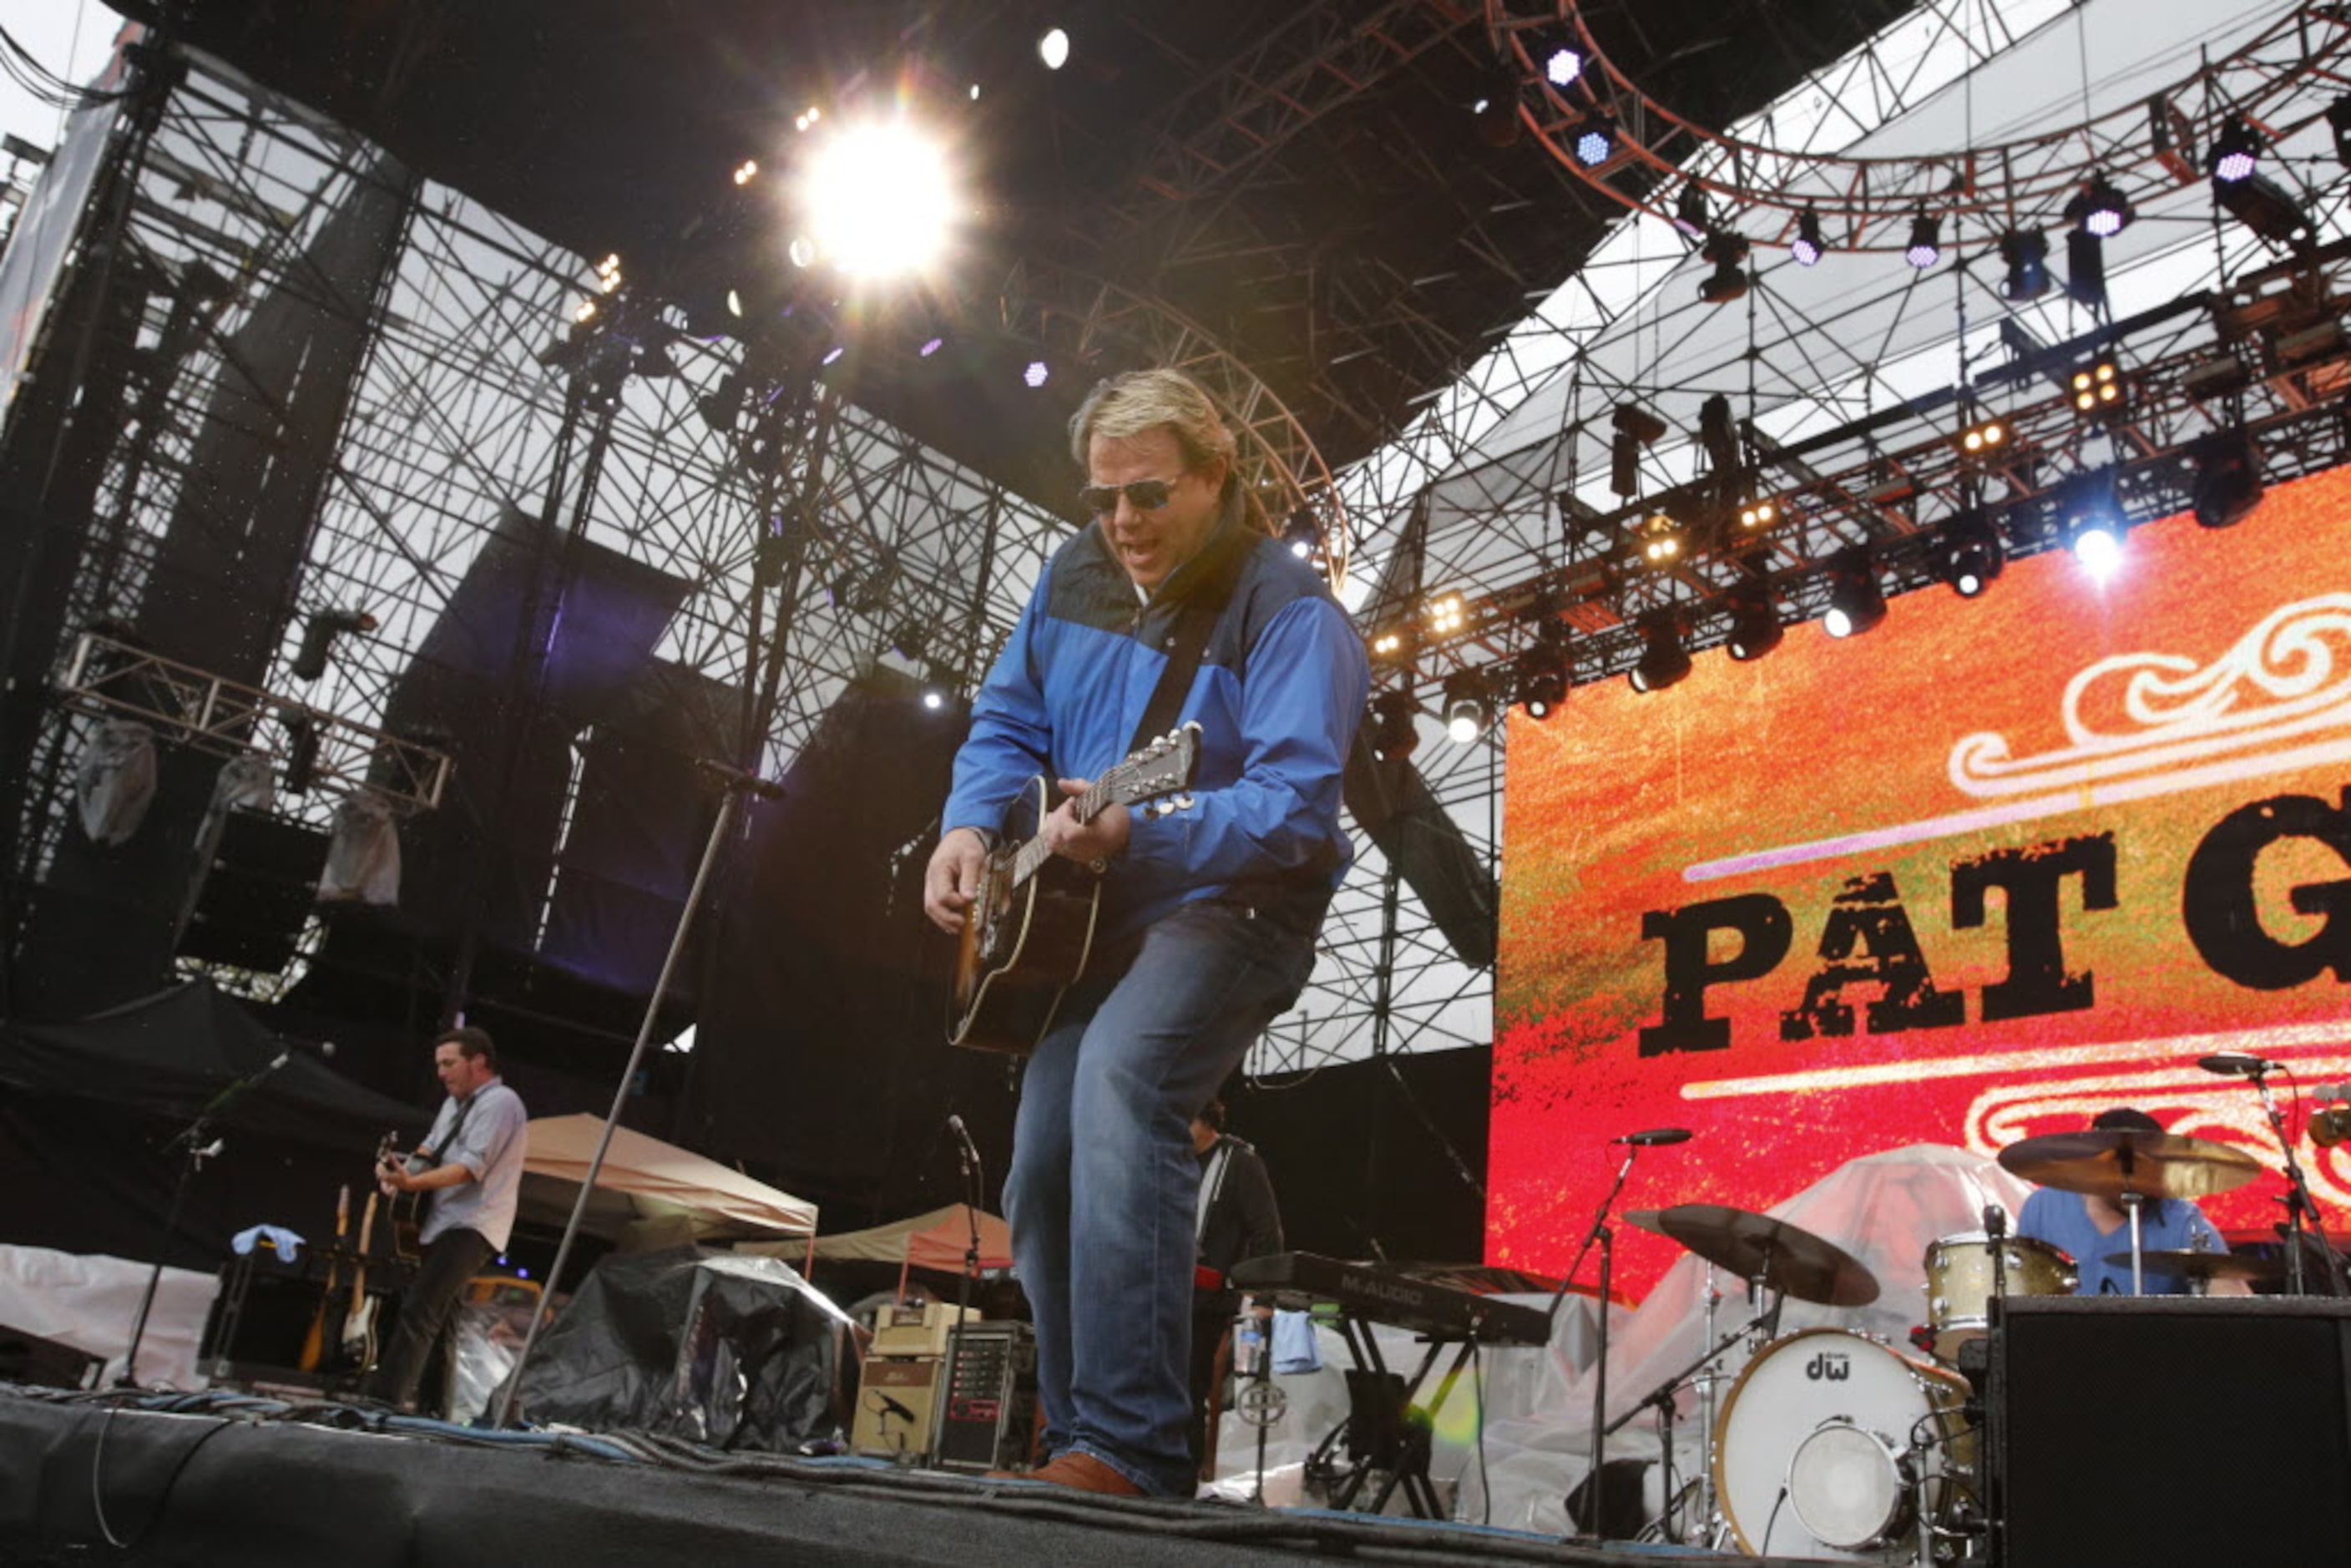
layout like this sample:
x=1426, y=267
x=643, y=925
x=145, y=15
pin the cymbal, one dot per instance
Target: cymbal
x=2204, y=1265
x=2109, y=1162
x=1786, y=1258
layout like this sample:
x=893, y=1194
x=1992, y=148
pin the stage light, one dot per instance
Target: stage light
x=2098, y=389
x=2099, y=207
x=2236, y=151
x=833, y=353
x=1037, y=374
x=2091, y=521
x=1393, y=732
x=722, y=405
x=1303, y=534
x=1856, y=600
x=1594, y=139
x=1727, y=252
x=1756, y=516
x=1053, y=48
x=1806, y=247
x=746, y=171
x=1926, y=246
x=1445, y=615
x=929, y=347
x=2085, y=269
x=1970, y=555
x=1755, y=628
x=1469, y=706
x=1690, y=215
x=319, y=634
x=1392, y=644
x=1542, y=678
x=585, y=313
x=2025, y=252
x=2264, y=206
x=802, y=251
x=880, y=200
x=1984, y=438
x=1657, y=542
x=1562, y=66
x=2228, y=483
x=1635, y=427
x=1664, y=661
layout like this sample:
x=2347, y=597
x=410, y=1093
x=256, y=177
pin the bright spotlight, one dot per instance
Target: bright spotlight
x=1926, y=246
x=931, y=347
x=1036, y=373
x=880, y=200
x=1564, y=65
x=935, y=699
x=1053, y=48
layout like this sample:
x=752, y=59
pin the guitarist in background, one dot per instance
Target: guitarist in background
x=1207, y=916
x=472, y=1164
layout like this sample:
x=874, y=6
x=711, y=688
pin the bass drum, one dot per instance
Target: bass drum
x=1809, y=1451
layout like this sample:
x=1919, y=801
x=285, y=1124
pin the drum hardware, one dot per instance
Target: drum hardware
x=2127, y=1166
x=1771, y=1252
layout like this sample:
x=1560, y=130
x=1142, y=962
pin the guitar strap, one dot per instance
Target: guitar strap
x=432, y=1157
x=1187, y=639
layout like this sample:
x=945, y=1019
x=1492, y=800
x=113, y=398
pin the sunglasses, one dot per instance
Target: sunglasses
x=1148, y=495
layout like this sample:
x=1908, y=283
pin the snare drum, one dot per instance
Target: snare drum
x=1959, y=1284
x=1809, y=1453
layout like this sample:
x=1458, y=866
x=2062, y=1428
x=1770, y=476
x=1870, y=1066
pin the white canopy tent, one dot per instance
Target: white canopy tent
x=649, y=1193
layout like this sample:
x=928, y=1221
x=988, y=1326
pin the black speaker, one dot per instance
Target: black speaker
x=260, y=887
x=39, y=1363
x=2162, y=1430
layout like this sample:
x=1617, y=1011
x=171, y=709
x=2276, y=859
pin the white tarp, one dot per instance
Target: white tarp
x=650, y=1192
x=91, y=1303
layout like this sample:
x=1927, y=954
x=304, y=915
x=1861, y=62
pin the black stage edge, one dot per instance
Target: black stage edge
x=258, y=1483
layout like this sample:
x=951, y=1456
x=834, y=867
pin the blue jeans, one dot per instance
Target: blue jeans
x=1105, y=1185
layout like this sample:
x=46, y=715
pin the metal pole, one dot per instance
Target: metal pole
x=737, y=783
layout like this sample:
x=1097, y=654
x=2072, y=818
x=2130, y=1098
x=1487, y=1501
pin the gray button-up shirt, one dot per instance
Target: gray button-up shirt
x=491, y=1144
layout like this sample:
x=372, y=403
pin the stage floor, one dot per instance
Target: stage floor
x=218, y=1478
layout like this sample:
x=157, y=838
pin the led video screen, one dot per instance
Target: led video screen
x=1971, y=877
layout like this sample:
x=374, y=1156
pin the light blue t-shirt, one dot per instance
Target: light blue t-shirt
x=491, y=1143
x=2062, y=1219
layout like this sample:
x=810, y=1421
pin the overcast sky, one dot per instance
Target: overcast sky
x=70, y=37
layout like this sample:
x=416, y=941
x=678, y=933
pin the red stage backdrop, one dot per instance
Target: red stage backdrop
x=1971, y=877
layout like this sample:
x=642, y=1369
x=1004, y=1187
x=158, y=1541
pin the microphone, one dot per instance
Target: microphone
x=2235, y=1064
x=1653, y=1136
x=734, y=777
x=1995, y=1222
x=963, y=1136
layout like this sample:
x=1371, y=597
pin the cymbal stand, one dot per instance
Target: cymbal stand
x=2300, y=1207
x=1661, y=1397
x=2130, y=1199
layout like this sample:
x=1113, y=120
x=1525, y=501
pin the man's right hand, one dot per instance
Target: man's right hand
x=951, y=880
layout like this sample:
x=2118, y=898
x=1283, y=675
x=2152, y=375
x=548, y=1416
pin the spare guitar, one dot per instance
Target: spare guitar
x=314, y=1340
x=359, y=1322
x=1032, y=923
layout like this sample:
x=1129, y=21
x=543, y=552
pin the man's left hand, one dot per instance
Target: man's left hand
x=1095, y=843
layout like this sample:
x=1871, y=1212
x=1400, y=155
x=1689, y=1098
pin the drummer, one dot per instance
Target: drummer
x=2092, y=1226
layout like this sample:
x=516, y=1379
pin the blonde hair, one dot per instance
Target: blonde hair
x=1126, y=405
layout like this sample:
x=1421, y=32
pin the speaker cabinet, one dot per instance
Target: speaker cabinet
x=897, y=1400
x=991, y=1397
x=2170, y=1429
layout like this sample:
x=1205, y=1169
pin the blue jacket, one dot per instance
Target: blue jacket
x=1280, y=686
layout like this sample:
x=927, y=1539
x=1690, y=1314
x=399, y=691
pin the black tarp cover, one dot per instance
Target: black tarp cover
x=171, y=1053
x=727, y=1350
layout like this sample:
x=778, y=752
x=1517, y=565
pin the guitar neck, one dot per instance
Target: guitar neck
x=1030, y=857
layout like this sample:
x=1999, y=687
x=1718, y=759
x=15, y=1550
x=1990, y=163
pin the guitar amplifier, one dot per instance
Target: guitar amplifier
x=991, y=1405
x=897, y=1397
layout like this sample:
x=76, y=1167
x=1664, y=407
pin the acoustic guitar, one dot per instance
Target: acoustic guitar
x=1031, y=925
x=401, y=1209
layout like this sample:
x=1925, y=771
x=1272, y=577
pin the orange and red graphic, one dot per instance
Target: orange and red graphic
x=1995, y=866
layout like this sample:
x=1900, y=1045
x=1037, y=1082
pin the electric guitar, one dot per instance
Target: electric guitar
x=359, y=1322
x=1031, y=925
x=314, y=1340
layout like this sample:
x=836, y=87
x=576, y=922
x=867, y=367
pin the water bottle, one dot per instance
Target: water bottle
x=1249, y=1341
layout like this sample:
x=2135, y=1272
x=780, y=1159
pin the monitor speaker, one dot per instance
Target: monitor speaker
x=2102, y=1409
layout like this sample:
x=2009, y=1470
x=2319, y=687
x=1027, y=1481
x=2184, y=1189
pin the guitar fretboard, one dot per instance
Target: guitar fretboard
x=1032, y=855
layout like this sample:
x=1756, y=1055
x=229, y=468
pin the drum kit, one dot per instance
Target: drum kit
x=1835, y=1445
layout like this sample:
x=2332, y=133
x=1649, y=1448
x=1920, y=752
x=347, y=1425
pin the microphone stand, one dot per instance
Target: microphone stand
x=967, y=1156
x=1607, y=1241
x=2299, y=1205
x=199, y=1143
